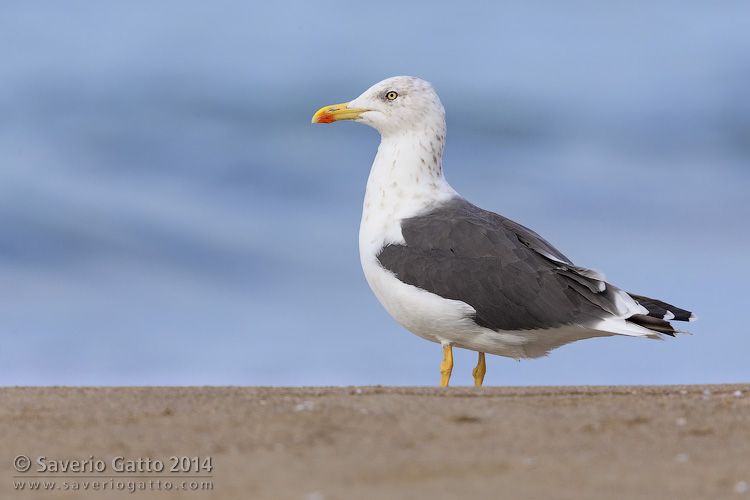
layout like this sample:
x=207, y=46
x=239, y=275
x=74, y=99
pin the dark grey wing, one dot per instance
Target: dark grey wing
x=512, y=277
x=528, y=237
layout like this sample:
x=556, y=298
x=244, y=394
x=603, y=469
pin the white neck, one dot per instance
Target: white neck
x=406, y=179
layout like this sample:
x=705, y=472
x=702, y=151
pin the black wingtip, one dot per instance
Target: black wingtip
x=652, y=323
x=661, y=310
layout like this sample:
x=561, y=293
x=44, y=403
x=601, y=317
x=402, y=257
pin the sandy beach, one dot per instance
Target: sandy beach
x=324, y=443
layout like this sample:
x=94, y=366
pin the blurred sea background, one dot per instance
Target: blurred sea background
x=168, y=214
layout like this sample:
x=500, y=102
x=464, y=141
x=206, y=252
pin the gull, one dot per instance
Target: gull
x=455, y=274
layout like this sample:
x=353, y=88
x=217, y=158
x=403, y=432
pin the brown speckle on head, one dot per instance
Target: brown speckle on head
x=416, y=106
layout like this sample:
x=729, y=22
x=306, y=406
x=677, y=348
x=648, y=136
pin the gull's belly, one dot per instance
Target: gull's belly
x=437, y=319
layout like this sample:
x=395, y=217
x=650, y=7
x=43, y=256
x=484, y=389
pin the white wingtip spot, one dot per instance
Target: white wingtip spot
x=693, y=317
x=668, y=315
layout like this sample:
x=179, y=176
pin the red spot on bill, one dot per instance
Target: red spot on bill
x=326, y=118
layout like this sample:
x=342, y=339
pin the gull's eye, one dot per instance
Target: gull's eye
x=391, y=95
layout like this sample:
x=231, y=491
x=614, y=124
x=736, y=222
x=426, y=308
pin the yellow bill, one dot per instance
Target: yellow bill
x=330, y=114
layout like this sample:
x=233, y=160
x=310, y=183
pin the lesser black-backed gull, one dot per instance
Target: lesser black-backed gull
x=461, y=276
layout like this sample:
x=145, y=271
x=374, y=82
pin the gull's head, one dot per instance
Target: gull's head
x=395, y=105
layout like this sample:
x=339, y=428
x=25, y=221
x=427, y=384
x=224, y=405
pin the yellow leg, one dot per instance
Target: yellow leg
x=446, y=367
x=479, y=371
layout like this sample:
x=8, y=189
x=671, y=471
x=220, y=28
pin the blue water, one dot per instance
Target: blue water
x=168, y=214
